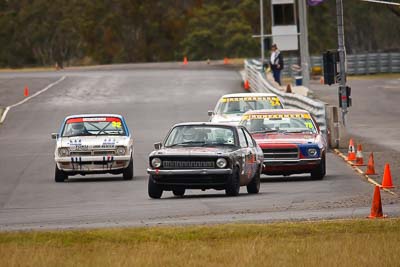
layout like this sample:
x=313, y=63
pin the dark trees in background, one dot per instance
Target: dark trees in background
x=42, y=32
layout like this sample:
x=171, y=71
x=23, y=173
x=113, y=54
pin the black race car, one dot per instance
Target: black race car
x=205, y=156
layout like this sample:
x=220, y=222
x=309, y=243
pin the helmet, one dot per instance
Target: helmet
x=188, y=134
x=78, y=127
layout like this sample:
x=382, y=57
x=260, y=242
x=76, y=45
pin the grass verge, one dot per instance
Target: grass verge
x=330, y=243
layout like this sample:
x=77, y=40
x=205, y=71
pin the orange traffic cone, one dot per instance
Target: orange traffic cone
x=289, y=89
x=359, y=157
x=387, y=177
x=226, y=61
x=371, y=165
x=185, y=61
x=351, y=155
x=376, y=207
x=321, y=80
x=246, y=85
x=26, y=91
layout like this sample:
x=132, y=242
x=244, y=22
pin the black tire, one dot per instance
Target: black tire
x=60, y=176
x=154, y=190
x=254, y=186
x=179, y=192
x=233, y=186
x=319, y=172
x=127, y=174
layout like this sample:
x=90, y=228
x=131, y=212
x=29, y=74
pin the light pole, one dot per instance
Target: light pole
x=304, y=51
x=262, y=30
x=342, y=58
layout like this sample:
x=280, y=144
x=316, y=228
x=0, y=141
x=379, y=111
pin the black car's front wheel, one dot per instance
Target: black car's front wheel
x=60, y=176
x=179, y=192
x=154, y=190
x=233, y=185
x=254, y=186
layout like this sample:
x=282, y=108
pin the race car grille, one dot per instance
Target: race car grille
x=103, y=153
x=188, y=164
x=91, y=153
x=281, y=153
x=80, y=153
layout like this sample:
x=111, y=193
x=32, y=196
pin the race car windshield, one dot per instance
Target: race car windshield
x=195, y=135
x=291, y=123
x=93, y=127
x=240, y=105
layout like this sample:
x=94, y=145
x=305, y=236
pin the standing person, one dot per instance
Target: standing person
x=276, y=63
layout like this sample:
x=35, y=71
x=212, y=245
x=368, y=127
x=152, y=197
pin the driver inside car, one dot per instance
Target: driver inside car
x=78, y=129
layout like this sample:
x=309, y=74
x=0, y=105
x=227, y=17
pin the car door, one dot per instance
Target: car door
x=252, y=154
x=245, y=155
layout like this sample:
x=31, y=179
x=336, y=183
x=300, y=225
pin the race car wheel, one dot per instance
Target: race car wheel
x=254, y=186
x=60, y=176
x=179, y=192
x=233, y=186
x=319, y=172
x=128, y=172
x=154, y=190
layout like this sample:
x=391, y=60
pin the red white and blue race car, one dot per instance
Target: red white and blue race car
x=291, y=141
x=93, y=144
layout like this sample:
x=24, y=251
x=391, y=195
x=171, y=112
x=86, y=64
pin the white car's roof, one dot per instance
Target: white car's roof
x=93, y=115
x=249, y=94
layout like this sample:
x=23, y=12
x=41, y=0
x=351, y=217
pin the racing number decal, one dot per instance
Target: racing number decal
x=116, y=124
x=308, y=124
x=275, y=101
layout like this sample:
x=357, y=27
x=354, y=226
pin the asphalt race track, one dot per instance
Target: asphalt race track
x=151, y=100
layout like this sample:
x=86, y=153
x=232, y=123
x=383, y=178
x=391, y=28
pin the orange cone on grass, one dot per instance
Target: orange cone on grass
x=246, y=85
x=26, y=91
x=359, y=157
x=371, y=165
x=185, y=61
x=376, y=207
x=387, y=177
x=351, y=155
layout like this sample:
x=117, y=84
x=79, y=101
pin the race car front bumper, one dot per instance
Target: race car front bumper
x=88, y=164
x=189, y=172
x=290, y=166
x=191, y=178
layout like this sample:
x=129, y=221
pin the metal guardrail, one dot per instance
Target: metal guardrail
x=259, y=83
x=357, y=64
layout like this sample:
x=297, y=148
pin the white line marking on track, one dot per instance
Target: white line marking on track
x=3, y=117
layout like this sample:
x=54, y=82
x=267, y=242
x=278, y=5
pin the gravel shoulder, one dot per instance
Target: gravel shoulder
x=373, y=120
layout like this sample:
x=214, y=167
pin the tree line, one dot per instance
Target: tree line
x=73, y=32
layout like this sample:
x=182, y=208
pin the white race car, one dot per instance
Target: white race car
x=230, y=108
x=93, y=144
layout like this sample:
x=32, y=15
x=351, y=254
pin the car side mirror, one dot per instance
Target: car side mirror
x=210, y=113
x=157, y=146
x=54, y=135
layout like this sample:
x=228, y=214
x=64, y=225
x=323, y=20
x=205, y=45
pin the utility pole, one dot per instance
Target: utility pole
x=304, y=51
x=262, y=30
x=342, y=58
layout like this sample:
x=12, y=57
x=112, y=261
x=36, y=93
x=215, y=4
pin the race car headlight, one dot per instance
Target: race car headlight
x=221, y=163
x=120, y=151
x=156, y=163
x=63, y=152
x=312, y=152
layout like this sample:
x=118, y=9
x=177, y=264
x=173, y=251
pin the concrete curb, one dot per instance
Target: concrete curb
x=1, y=114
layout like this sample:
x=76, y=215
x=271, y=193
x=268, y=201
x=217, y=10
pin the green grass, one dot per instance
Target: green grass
x=330, y=243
